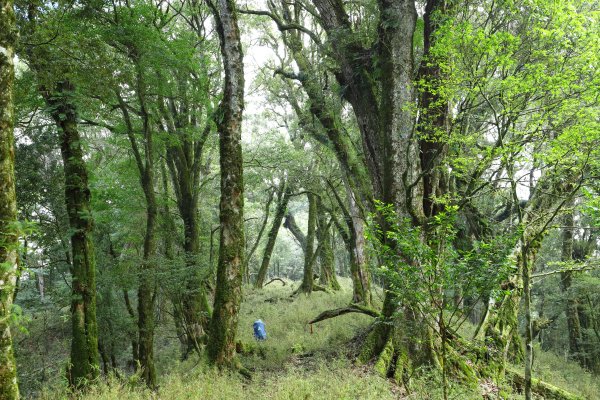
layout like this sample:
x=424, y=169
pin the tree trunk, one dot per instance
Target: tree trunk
x=500, y=324
x=327, y=277
x=359, y=263
x=221, y=345
x=308, y=277
x=147, y=273
x=168, y=232
x=282, y=204
x=292, y=226
x=196, y=310
x=84, y=344
x=147, y=286
x=566, y=278
x=9, y=389
x=263, y=226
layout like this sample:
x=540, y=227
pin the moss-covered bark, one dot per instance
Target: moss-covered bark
x=327, y=277
x=221, y=345
x=356, y=245
x=9, y=389
x=500, y=324
x=84, y=343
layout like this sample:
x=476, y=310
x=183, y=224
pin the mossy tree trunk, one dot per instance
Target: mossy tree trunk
x=392, y=157
x=84, y=343
x=356, y=244
x=327, y=277
x=500, y=324
x=58, y=93
x=282, y=203
x=9, y=388
x=308, y=276
x=223, y=327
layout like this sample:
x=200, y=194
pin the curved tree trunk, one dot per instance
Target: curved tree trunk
x=291, y=225
x=282, y=204
x=221, y=345
x=9, y=389
x=263, y=226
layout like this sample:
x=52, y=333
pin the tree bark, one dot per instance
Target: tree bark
x=359, y=262
x=263, y=226
x=221, y=345
x=308, y=277
x=327, y=277
x=9, y=388
x=292, y=226
x=353, y=237
x=84, y=344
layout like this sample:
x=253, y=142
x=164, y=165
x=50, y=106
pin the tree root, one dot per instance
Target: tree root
x=249, y=349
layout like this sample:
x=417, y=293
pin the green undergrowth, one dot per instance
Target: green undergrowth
x=566, y=374
x=297, y=364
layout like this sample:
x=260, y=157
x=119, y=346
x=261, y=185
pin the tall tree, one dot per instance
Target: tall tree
x=84, y=343
x=221, y=345
x=9, y=389
x=59, y=94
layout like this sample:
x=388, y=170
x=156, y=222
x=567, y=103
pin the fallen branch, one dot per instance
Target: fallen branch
x=276, y=279
x=353, y=308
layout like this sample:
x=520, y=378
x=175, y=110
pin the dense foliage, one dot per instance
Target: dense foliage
x=434, y=163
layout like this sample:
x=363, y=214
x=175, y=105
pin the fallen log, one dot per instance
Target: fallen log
x=545, y=390
x=352, y=308
x=276, y=279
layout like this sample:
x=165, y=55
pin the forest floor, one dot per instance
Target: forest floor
x=295, y=363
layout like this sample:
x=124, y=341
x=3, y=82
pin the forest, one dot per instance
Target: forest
x=299, y=199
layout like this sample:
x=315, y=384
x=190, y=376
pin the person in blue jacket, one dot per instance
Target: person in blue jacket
x=260, y=332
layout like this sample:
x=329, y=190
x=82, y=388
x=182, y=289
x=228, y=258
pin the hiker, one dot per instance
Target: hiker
x=260, y=332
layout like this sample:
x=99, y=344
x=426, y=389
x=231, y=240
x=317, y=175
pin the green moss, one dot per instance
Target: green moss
x=368, y=348
x=385, y=358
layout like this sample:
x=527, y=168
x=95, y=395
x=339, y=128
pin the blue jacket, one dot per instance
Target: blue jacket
x=260, y=333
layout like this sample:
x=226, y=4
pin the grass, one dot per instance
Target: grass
x=298, y=364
